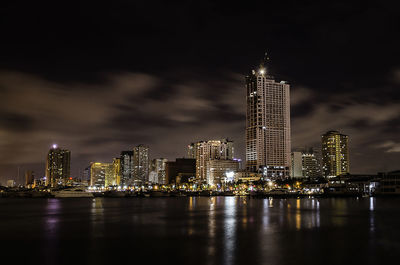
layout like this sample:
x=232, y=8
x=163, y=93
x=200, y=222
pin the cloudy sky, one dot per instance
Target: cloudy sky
x=100, y=78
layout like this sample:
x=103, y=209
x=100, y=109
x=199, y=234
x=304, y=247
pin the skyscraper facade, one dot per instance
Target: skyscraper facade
x=311, y=164
x=211, y=150
x=268, y=143
x=220, y=170
x=29, y=178
x=335, y=154
x=140, y=164
x=117, y=170
x=157, y=171
x=58, y=166
x=126, y=160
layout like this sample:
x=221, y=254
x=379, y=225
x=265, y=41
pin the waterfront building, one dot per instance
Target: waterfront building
x=126, y=160
x=86, y=175
x=389, y=183
x=335, y=154
x=117, y=170
x=29, y=179
x=296, y=170
x=157, y=171
x=220, y=171
x=247, y=176
x=211, y=150
x=58, y=165
x=191, y=150
x=311, y=166
x=101, y=174
x=268, y=142
x=11, y=183
x=183, y=170
x=140, y=164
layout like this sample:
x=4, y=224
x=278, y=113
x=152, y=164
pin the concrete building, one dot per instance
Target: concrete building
x=296, y=170
x=220, y=171
x=102, y=175
x=58, y=165
x=246, y=176
x=311, y=165
x=211, y=150
x=117, y=170
x=29, y=179
x=157, y=171
x=181, y=170
x=11, y=183
x=268, y=143
x=335, y=154
x=140, y=164
x=126, y=160
x=192, y=150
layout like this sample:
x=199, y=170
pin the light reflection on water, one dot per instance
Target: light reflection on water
x=230, y=229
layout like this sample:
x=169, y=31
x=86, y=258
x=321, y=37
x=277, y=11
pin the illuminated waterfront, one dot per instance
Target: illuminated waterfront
x=200, y=230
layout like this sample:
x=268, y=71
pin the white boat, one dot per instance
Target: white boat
x=72, y=193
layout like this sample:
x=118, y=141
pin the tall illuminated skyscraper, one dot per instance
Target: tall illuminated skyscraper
x=268, y=143
x=58, y=166
x=335, y=154
x=140, y=164
x=126, y=160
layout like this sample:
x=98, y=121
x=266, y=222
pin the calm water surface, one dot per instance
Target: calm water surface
x=200, y=230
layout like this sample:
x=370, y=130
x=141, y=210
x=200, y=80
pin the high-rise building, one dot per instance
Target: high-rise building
x=140, y=164
x=117, y=170
x=296, y=170
x=29, y=178
x=102, y=175
x=221, y=170
x=126, y=167
x=157, y=171
x=192, y=150
x=335, y=154
x=58, y=165
x=311, y=165
x=211, y=150
x=267, y=124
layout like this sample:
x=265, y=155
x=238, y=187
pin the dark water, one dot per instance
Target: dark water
x=200, y=230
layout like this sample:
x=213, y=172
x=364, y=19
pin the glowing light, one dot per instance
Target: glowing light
x=230, y=175
x=262, y=71
x=54, y=146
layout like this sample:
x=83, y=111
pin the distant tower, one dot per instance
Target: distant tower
x=211, y=150
x=126, y=160
x=140, y=164
x=29, y=178
x=58, y=165
x=335, y=154
x=268, y=143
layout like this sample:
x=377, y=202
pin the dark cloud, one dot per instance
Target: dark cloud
x=100, y=78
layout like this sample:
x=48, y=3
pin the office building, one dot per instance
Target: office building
x=29, y=179
x=181, y=170
x=311, y=165
x=220, y=171
x=268, y=143
x=211, y=150
x=126, y=160
x=140, y=164
x=296, y=170
x=117, y=170
x=335, y=154
x=157, y=171
x=57, y=166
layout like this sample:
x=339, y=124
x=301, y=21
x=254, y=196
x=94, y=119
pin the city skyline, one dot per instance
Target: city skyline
x=99, y=93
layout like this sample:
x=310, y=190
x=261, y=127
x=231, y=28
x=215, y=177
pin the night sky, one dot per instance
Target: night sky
x=98, y=78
